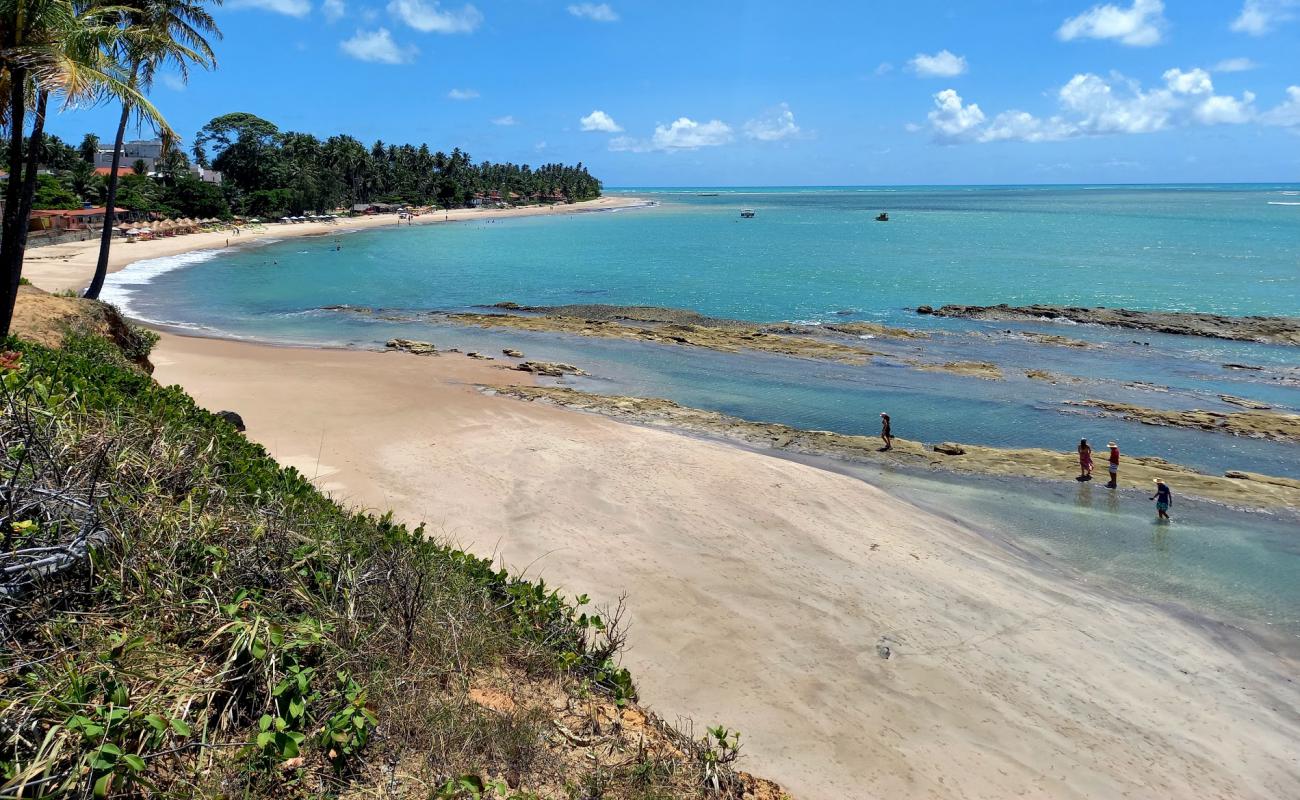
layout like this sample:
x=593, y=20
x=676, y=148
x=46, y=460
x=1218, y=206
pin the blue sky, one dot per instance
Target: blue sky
x=664, y=93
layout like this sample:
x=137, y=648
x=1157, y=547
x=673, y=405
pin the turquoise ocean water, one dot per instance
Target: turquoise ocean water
x=816, y=255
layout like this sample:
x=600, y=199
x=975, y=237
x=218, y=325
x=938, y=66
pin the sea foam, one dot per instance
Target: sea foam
x=120, y=287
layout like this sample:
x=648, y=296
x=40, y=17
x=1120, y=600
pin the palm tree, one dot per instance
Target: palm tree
x=162, y=33
x=46, y=47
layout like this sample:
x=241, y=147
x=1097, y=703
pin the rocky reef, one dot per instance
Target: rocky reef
x=1270, y=330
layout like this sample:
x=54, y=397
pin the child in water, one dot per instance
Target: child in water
x=1163, y=499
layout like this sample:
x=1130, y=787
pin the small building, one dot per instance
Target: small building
x=205, y=175
x=147, y=150
x=121, y=171
x=58, y=220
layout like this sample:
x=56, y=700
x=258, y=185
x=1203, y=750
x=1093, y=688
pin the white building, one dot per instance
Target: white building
x=146, y=150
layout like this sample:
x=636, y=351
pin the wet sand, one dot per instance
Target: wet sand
x=864, y=647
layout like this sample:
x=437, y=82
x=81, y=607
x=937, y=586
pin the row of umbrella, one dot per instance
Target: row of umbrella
x=311, y=218
x=167, y=226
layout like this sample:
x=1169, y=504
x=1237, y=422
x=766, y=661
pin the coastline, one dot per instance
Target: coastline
x=772, y=617
x=69, y=266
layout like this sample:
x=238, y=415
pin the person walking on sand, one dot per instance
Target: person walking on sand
x=1114, y=466
x=1085, y=460
x=885, y=433
x=1164, y=499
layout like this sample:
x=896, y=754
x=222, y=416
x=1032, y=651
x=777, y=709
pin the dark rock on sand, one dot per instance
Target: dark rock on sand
x=950, y=449
x=233, y=418
x=512, y=353
x=1272, y=330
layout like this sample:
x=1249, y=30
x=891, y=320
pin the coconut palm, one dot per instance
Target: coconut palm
x=161, y=34
x=47, y=47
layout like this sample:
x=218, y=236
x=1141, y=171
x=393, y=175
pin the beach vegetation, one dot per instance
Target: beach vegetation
x=157, y=34
x=182, y=617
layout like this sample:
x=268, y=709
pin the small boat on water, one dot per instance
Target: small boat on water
x=707, y=194
x=747, y=213
x=882, y=217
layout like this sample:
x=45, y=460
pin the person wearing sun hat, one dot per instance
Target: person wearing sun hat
x=1114, y=465
x=1163, y=497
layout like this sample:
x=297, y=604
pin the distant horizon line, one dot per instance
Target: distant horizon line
x=631, y=187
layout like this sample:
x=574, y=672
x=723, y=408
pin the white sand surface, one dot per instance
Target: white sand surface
x=761, y=590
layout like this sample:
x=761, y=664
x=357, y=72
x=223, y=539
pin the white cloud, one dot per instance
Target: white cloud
x=942, y=64
x=172, y=82
x=884, y=68
x=1234, y=65
x=682, y=134
x=463, y=94
x=428, y=17
x=687, y=134
x=778, y=125
x=1094, y=106
x=1225, y=110
x=1287, y=113
x=1025, y=127
x=597, y=12
x=951, y=119
x=378, y=46
x=540, y=146
x=505, y=121
x=600, y=121
x=292, y=8
x=1259, y=17
x=334, y=10
x=1140, y=25
x=1196, y=81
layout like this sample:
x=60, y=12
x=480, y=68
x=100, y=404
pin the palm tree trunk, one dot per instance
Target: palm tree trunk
x=11, y=243
x=106, y=237
x=33, y=164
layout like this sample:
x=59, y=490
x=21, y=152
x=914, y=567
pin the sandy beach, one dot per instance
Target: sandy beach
x=773, y=616
x=863, y=647
x=69, y=266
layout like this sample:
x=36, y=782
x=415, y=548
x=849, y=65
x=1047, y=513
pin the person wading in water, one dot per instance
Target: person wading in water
x=1164, y=499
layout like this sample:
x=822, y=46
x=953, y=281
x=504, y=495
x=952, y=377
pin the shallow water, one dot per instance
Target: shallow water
x=817, y=256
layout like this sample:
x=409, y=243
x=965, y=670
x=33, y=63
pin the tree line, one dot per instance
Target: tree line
x=267, y=172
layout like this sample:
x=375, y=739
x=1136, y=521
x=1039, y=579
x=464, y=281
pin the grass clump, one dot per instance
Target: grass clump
x=180, y=616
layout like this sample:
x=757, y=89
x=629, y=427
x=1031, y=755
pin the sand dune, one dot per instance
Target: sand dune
x=765, y=593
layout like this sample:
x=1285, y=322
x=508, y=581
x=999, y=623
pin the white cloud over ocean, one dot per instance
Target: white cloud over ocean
x=777, y=125
x=1140, y=25
x=1091, y=105
x=682, y=133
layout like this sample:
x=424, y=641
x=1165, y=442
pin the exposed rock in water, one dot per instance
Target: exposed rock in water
x=1053, y=339
x=1255, y=424
x=1051, y=377
x=950, y=449
x=1273, y=330
x=479, y=356
x=550, y=369
x=346, y=307
x=1244, y=403
x=1035, y=463
x=233, y=418
x=412, y=346
x=512, y=353
x=975, y=369
x=1243, y=366
x=731, y=336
